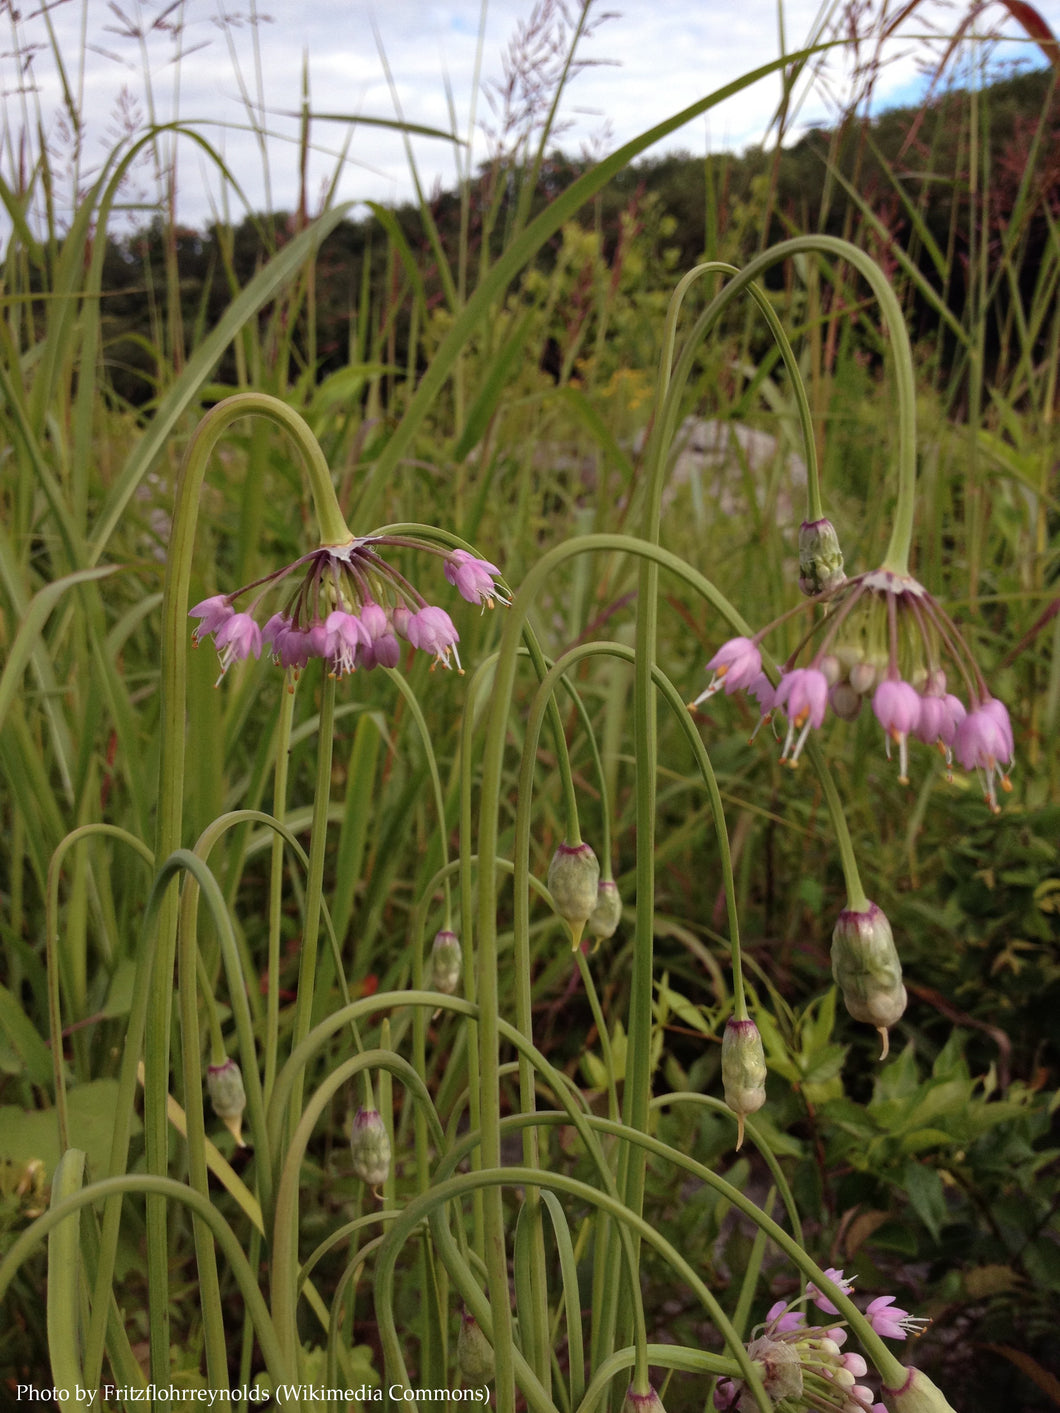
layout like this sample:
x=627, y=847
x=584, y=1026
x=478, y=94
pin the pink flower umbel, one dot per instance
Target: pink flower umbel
x=881, y=637
x=804, y=1367
x=350, y=608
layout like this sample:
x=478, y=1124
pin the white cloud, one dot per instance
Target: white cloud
x=669, y=54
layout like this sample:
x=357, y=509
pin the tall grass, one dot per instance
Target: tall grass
x=255, y=870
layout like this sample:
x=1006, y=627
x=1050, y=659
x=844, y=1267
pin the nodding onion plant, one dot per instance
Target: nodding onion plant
x=462, y=1189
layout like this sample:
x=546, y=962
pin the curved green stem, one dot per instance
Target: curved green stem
x=174, y=653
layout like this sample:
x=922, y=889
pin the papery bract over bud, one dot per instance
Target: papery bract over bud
x=743, y=1070
x=820, y=558
x=605, y=917
x=574, y=881
x=370, y=1144
x=649, y=1402
x=866, y=968
x=446, y=961
x=474, y=1353
x=224, y=1084
x=917, y=1395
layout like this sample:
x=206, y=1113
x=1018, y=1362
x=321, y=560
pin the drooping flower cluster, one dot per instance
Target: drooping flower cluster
x=349, y=607
x=884, y=639
x=803, y=1366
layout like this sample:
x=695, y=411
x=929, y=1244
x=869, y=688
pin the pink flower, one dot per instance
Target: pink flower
x=293, y=648
x=735, y=665
x=474, y=578
x=344, y=634
x=803, y=696
x=821, y=1301
x=726, y=1394
x=780, y=1319
x=892, y=1323
x=380, y=646
x=897, y=709
x=984, y=742
x=432, y=630
x=237, y=638
x=214, y=612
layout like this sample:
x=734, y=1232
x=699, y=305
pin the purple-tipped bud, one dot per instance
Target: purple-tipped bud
x=867, y=970
x=370, y=1145
x=446, y=961
x=743, y=1070
x=474, y=1353
x=605, y=917
x=228, y=1098
x=820, y=558
x=917, y=1395
x=574, y=882
x=649, y=1402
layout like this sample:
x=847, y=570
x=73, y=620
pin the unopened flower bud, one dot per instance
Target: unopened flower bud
x=649, y=1402
x=224, y=1084
x=917, y=1395
x=867, y=970
x=370, y=1144
x=573, y=881
x=864, y=676
x=820, y=558
x=607, y=914
x=743, y=1070
x=474, y=1353
x=445, y=962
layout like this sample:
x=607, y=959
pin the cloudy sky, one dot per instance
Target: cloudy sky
x=218, y=64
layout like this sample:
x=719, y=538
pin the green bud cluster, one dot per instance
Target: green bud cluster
x=370, y=1144
x=743, y=1070
x=474, y=1353
x=820, y=558
x=446, y=962
x=605, y=917
x=649, y=1402
x=574, y=882
x=867, y=969
x=917, y=1395
x=228, y=1098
